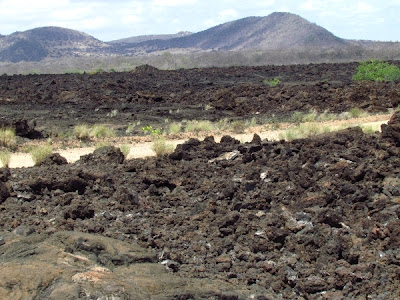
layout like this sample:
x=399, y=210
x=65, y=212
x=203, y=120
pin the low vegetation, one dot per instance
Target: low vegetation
x=86, y=132
x=199, y=125
x=273, y=82
x=40, y=153
x=304, y=131
x=5, y=158
x=125, y=149
x=7, y=137
x=375, y=70
x=161, y=146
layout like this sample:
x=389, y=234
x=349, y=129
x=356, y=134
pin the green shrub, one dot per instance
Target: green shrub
x=161, y=146
x=40, y=153
x=273, y=82
x=5, y=157
x=150, y=130
x=375, y=70
x=7, y=137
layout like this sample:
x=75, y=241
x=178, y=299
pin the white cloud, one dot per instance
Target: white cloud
x=228, y=14
x=172, y=3
x=365, y=8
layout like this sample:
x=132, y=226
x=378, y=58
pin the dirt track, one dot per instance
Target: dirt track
x=142, y=150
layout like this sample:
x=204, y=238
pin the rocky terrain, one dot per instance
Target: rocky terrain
x=312, y=218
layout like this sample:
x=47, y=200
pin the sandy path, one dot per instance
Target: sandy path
x=140, y=150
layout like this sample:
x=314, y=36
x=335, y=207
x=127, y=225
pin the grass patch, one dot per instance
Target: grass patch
x=356, y=112
x=100, y=131
x=125, y=149
x=102, y=145
x=7, y=137
x=5, y=158
x=238, y=126
x=371, y=128
x=161, y=146
x=40, y=153
x=82, y=131
x=326, y=116
x=303, y=131
x=198, y=126
x=86, y=132
x=174, y=128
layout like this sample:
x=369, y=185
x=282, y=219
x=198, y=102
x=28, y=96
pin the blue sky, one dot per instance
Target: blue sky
x=110, y=20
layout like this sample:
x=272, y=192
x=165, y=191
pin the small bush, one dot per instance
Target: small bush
x=238, y=126
x=310, y=117
x=82, y=132
x=371, y=129
x=303, y=131
x=102, y=145
x=161, y=146
x=326, y=116
x=357, y=113
x=375, y=70
x=86, y=132
x=273, y=82
x=100, y=131
x=174, y=128
x=150, y=130
x=125, y=149
x=7, y=137
x=297, y=117
x=5, y=158
x=223, y=124
x=40, y=153
x=198, y=126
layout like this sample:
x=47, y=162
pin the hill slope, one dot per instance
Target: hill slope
x=145, y=38
x=276, y=31
x=39, y=43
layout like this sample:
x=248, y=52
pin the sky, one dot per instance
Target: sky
x=112, y=20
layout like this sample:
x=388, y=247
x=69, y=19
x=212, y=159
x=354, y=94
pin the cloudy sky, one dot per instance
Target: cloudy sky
x=110, y=20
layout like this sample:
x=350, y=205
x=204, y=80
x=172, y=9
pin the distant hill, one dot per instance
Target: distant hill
x=145, y=38
x=280, y=32
x=277, y=31
x=39, y=43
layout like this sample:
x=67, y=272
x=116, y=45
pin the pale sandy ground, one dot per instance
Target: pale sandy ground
x=141, y=150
